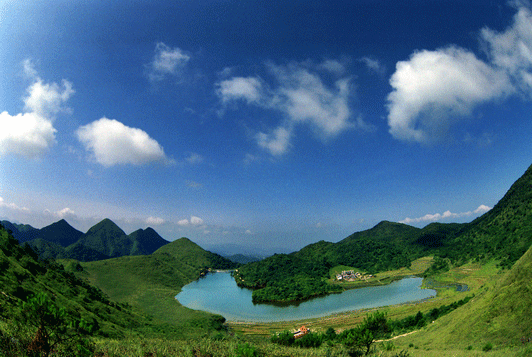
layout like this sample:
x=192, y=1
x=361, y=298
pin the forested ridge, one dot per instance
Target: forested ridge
x=504, y=233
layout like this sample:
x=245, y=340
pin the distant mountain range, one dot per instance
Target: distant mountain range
x=103, y=240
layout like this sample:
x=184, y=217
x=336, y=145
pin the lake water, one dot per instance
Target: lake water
x=219, y=294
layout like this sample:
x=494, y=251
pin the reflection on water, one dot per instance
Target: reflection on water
x=218, y=293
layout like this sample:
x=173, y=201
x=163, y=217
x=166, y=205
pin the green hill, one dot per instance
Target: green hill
x=503, y=233
x=108, y=239
x=23, y=275
x=151, y=282
x=102, y=241
x=21, y=232
x=500, y=314
x=60, y=233
x=146, y=241
x=192, y=254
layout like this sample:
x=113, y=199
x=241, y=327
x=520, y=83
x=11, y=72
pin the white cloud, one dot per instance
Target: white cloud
x=248, y=88
x=434, y=88
x=167, y=61
x=512, y=50
x=12, y=206
x=333, y=66
x=302, y=95
x=445, y=215
x=25, y=134
x=46, y=99
x=65, y=212
x=194, y=158
x=155, y=221
x=113, y=143
x=32, y=133
x=195, y=221
x=277, y=142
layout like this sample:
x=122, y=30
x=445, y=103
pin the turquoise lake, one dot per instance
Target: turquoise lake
x=218, y=293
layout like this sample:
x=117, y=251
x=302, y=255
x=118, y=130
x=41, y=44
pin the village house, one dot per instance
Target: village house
x=301, y=332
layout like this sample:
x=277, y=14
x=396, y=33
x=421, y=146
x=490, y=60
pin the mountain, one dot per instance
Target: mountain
x=23, y=275
x=192, y=254
x=60, y=233
x=21, y=232
x=503, y=233
x=243, y=258
x=107, y=238
x=102, y=241
x=146, y=241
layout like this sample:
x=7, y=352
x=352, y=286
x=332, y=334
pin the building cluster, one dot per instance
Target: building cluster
x=351, y=275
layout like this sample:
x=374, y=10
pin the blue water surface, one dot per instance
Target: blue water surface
x=219, y=294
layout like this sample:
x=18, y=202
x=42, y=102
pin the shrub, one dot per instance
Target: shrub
x=285, y=338
x=487, y=347
x=246, y=350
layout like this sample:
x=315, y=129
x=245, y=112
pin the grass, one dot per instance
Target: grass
x=417, y=267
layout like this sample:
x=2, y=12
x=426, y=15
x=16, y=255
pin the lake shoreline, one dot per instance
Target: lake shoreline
x=219, y=294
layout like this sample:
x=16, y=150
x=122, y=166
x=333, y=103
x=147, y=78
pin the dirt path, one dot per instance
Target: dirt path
x=393, y=338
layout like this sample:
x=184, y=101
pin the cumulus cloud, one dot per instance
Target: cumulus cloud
x=194, y=221
x=25, y=134
x=276, y=142
x=47, y=99
x=155, y=221
x=113, y=143
x=167, y=61
x=446, y=215
x=511, y=50
x=32, y=133
x=302, y=94
x=433, y=88
x=240, y=88
x=66, y=212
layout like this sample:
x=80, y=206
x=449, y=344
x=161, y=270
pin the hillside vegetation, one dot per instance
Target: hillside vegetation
x=151, y=283
x=503, y=234
x=102, y=241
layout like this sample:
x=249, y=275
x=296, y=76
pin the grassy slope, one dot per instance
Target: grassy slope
x=152, y=281
x=500, y=314
x=21, y=275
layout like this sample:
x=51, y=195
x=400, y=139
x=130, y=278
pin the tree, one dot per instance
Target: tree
x=363, y=336
x=55, y=328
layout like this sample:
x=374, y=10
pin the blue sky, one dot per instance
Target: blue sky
x=266, y=125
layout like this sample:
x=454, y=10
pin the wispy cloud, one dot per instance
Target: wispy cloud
x=155, y=221
x=445, y=215
x=12, y=206
x=374, y=65
x=167, y=61
x=32, y=133
x=302, y=94
x=113, y=143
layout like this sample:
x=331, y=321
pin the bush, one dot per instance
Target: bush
x=285, y=338
x=487, y=347
x=309, y=340
x=246, y=350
